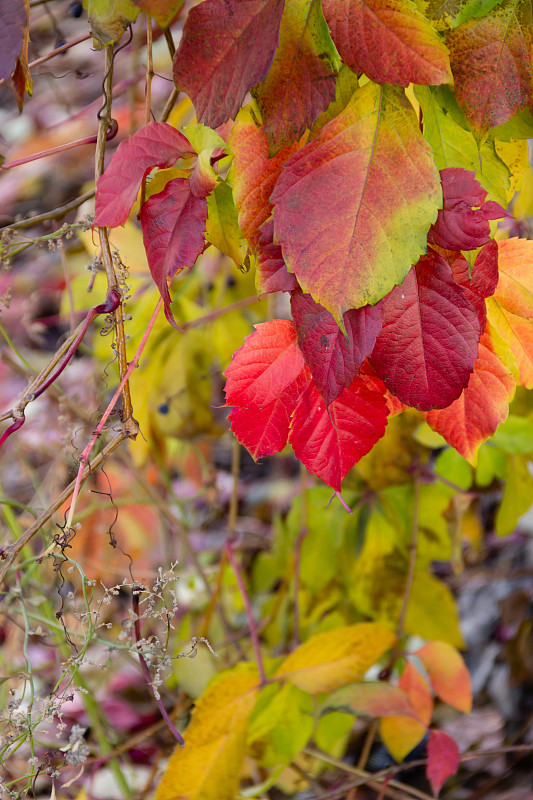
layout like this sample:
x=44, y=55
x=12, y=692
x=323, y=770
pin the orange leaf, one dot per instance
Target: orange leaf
x=448, y=674
x=515, y=285
x=517, y=333
x=400, y=733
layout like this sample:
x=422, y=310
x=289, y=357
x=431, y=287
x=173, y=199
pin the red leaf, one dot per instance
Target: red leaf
x=173, y=224
x=227, y=47
x=156, y=145
x=463, y=222
x=264, y=431
x=491, y=64
x=330, y=440
x=333, y=358
x=267, y=363
x=476, y=414
x=389, y=40
x=272, y=273
x=426, y=350
x=443, y=759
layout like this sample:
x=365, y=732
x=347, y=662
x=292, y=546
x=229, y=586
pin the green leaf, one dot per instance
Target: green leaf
x=281, y=725
x=515, y=435
x=109, y=19
x=452, y=466
x=222, y=229
x=491, y=464
x=517, y=494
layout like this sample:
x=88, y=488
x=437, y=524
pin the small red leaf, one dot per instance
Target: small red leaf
x=272, y=273
x=463, y=222
x=333, y=358
x=227, y=47
x=443, y=759
x=329, y=441
x=426, y=350
x=156, y=145
x=264, y=431
x=173, y=224
x=267, y=363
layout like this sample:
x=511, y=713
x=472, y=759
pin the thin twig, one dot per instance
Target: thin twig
x=55, y=52
x=149, y=71
x=169, y=105
x=56, y=213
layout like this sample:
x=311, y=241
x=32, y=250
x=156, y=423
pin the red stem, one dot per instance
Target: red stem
x=111, y=133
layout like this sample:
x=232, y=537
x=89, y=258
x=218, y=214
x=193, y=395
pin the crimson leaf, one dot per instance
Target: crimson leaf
x=227, y=47
x=333, y=358
x=429, y=340
x=156, y=145
x=272, y=274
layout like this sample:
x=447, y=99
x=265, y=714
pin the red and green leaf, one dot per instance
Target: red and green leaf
x=301, y=82
x=156, y=145
x=353, y=207
x=389, y=40
x=334, y=358
x=427, y=347
x=227, y=47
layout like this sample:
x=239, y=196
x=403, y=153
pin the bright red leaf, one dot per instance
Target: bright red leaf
x=173, y=224
x=333, y=358
x=272, y=274
x=267, y=363
x=389, y=40
x=463, y=222
x=443, y=759
x=156, y=145
x=491, y=64
x=330, y=440
x=301, y=82
x=353, y=206
x=227, y=47
x=426, y=350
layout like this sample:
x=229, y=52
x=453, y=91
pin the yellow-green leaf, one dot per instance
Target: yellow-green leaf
x=223, y=225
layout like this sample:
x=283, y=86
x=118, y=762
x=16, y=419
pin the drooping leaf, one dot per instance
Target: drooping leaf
x=389, y=40
x=443, y=759
x=267, y=363
x=222, y=229
x=373, y=172
x=426, y=350
x=301, y=81
x=491, y=64
x=272, y=274
x=374, y=699
x=173, y=224
x=163, y=11
x=515, y=286
x=253, y=173
x=333, y=358
x=329, y=440
x=264, y=430
x=448, y=674
x=156, y=145
x=208, y=767
x=483, y=405
x=402, y=733
x=463, y=222
x=330, y=660
x=517, y=333
x=109, y=19
x=227, y=47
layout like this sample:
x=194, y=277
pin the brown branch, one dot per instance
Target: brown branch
x=56, y=213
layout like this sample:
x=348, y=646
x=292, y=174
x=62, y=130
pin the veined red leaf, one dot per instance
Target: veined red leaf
x=254, y=173
x=353, y=207
x=330, y=440
x=272, y=274
x=267, y=363
x=491, y=64
x=333, y=358
x=173, y=224
x=264, y=431
x=426, y=350
x=227, y=47
x=480, y=281
x=301, y=82
x=388, y=40
x=483, y=405
x=156, y=145
x=515, y=286
x=443, y=759
x=375, y=384
x=463, y=222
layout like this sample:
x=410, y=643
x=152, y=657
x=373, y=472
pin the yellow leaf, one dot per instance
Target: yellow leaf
x=432, y=613
x=332, y=659
x=209, y=765
x=401, y=733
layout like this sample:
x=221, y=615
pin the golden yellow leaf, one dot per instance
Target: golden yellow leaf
x=209, y=766
x=332, y=659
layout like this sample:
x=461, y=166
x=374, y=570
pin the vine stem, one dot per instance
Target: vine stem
x=249, y=613
x=110, y=134
x=146, y=671
x=149, y=71
x=84, y=458
x=56, y=213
